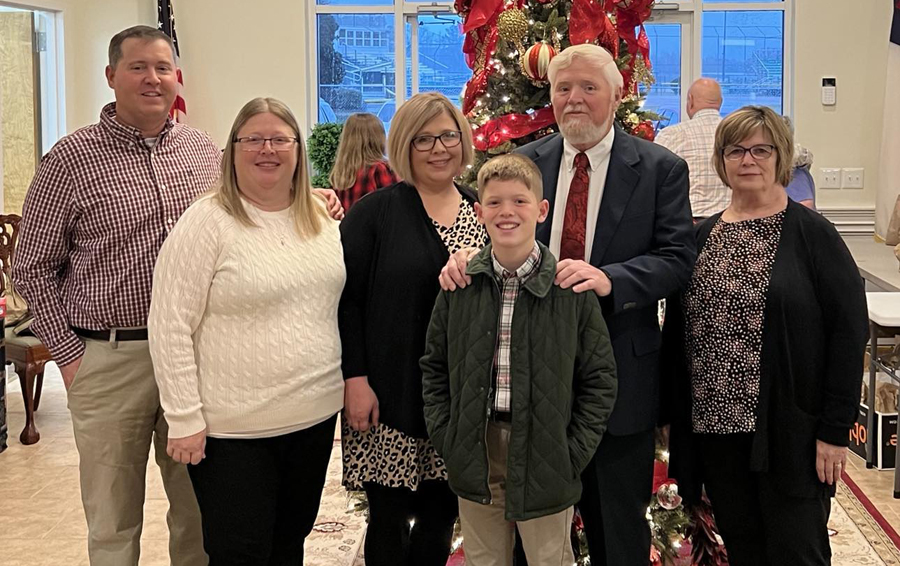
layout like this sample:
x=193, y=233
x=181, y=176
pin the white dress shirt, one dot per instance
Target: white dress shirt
x=599, y=158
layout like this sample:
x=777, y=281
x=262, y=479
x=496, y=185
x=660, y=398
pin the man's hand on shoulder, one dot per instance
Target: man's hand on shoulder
x=582, y=276
x=335, y=209
x=453, y=274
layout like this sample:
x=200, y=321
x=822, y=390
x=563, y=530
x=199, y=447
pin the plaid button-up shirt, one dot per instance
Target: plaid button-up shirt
x=693, y=141
x=368, y=180
x=510, y=283
x=99, y=208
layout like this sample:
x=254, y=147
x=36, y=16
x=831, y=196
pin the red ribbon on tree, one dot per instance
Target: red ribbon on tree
x=484, y=39
x=477, y=13
x=511, y=126
x=588, y=21
x=630, y=18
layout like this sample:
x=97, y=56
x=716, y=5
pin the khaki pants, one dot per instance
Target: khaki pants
x=489, y=539
x=115, y=410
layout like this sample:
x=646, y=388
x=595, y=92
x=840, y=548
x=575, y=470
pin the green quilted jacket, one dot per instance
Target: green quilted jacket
x=563, y=387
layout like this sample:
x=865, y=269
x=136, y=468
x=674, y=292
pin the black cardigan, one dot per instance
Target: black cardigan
x=393, y=255
x=815, y=330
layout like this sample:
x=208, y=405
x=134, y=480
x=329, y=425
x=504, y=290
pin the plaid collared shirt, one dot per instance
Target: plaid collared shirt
x=510, y=283
x=94, y=219
x=368, y=180
x=693, y=141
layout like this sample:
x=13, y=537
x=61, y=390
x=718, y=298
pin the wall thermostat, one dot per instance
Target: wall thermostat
x=829, y=91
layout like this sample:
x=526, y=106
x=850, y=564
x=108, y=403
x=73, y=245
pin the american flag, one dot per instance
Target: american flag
x=166, y=22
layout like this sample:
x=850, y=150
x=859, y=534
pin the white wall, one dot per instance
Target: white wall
x=846, y=40
x=234, y=50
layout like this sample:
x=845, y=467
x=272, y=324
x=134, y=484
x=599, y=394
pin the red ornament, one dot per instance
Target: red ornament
x=537, y=60
x=645, y=130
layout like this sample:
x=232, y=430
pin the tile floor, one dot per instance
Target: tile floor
x=42, y=523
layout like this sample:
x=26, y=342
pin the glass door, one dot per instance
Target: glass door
x=670, y=34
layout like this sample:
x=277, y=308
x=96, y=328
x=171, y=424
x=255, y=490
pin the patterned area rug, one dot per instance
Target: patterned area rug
x=338, y=534
x=862, y=536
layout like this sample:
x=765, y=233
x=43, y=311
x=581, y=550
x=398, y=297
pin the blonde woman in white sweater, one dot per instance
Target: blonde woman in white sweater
x=245, y=343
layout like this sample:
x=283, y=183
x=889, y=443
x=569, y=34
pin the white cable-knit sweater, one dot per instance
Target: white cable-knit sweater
x=243, y=323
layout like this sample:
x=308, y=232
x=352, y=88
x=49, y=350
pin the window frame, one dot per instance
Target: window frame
x=403, y=9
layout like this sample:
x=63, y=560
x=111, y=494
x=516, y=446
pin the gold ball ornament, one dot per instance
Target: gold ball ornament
x=512, y=25
x=537, y=59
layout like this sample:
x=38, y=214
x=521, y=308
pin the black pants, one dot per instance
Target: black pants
x=618, y=484
x=761, y=526
x=259, y=497
x=389, y=539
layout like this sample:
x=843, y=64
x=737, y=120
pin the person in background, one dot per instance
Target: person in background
x=693, y=141
x=395, y=242
x=764, y=351
x=360, y=167
x=802, y=188
x=245, y=343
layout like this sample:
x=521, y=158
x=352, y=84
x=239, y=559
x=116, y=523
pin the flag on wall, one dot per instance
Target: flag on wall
x=889, y=170
x=166, y=22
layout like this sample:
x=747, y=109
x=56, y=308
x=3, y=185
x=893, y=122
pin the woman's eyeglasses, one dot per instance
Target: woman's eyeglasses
x=757, y=152
x=426, y=143
x=254, y=143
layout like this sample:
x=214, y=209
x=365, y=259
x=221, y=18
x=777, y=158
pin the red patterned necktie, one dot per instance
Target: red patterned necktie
x=575, y=224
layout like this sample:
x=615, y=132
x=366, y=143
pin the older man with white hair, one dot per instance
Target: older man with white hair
x=620, y=224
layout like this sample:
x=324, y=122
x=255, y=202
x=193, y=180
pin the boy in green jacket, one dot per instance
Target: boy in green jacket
x=519, y=381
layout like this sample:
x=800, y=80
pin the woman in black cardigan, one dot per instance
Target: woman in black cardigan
x=396, y=240
x=766, y=346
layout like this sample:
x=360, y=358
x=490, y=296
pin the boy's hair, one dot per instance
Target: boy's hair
x=512, y=167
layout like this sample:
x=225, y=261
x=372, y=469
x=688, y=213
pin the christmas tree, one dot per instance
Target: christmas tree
x=508, y=46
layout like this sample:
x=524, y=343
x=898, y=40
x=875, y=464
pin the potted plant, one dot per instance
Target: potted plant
x=322, y=146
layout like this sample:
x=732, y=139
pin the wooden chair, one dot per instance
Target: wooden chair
x=26, y=353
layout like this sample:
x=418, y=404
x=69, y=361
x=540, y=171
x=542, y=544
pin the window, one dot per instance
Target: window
x=664, y=97
x=360, y=44
x=31, y=106
x=744, y=51
x=740, y=44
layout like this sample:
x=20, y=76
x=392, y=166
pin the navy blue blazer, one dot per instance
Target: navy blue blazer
x=644, y=242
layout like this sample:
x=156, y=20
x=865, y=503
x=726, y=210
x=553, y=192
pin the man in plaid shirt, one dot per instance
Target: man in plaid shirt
x=100, y=206
x=693, y=141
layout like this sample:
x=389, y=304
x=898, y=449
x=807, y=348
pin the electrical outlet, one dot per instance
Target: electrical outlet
x=831, y=178
x=852, y=178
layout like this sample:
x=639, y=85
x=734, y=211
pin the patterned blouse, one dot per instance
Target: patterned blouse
x=724, y=309
x=387, y=456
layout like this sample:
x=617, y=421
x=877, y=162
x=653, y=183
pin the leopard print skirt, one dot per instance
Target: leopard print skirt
x=388, y=457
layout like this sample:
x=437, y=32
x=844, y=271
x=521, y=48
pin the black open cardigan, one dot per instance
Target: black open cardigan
x=393, y=255
x=815, y=330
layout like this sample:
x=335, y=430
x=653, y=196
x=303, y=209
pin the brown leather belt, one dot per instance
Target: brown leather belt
x=114, y=335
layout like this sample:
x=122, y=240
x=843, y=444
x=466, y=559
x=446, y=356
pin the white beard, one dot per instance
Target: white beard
x=579, y=132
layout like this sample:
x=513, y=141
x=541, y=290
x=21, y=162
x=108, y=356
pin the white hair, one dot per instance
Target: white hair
x=592, y=54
